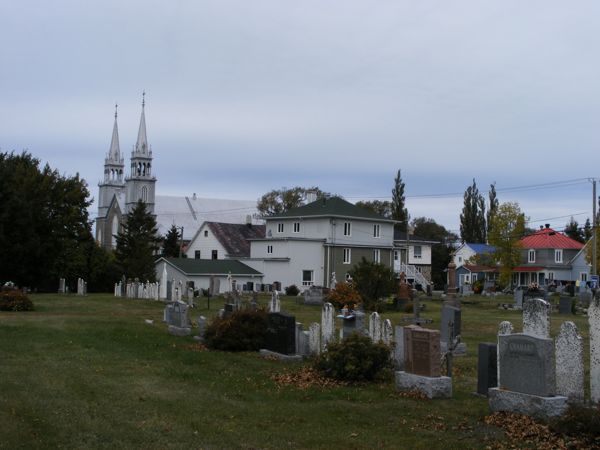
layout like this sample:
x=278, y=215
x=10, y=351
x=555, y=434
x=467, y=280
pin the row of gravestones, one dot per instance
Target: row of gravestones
x=530, y=373
x=138, y=290
x=565, y=302
x=81, y=286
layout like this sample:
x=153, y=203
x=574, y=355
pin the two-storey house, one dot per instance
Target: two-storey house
x=549, y=256
x=305, y=245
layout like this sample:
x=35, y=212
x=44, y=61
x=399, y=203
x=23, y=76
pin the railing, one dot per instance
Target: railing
x=411, y=272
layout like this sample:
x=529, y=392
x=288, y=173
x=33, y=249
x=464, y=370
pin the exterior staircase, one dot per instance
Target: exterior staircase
x=411, y=273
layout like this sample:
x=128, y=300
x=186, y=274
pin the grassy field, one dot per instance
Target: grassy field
x=90, y=373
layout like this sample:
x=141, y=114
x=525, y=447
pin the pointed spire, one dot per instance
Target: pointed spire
x=141, y=145
x=114, y=154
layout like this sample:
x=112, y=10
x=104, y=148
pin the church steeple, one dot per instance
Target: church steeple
x=140, y=183
x=114, y=154
x=141, y=146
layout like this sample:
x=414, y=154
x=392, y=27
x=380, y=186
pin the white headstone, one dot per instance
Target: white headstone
x=536, y=317
x=504, y=328
x=314, y=341
x=327, y=324
x=570, y=373
x=275, y=304
x=594, y=321
x=387, y=335
x=375, y=327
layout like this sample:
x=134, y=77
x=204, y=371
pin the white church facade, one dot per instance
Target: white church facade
x=118, y=194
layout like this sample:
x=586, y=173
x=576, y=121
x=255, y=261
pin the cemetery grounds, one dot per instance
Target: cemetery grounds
x=90, y=372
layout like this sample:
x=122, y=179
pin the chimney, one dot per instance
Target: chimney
x=249, y=221
x=541, y=227
x=311, y=196
x=547, y=225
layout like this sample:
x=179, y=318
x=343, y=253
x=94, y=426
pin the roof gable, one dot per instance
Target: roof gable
x=330, y=207
x=235, y=237
x=548, y=238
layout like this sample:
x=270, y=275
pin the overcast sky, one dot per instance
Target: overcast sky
x=248, y=96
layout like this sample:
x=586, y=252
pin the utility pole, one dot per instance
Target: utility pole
x=594, y=226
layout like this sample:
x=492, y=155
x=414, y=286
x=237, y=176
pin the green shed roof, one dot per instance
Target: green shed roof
x=210, y=266
x=330, y=207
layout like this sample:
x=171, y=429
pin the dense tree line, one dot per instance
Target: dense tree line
x=45, y=231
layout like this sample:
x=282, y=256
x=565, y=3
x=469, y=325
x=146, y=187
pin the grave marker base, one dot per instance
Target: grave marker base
x=177, y=331
x=432, y=387
x=530, y=405
x=280, y=356
x=460, y=350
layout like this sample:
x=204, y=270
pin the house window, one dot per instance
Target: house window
x=396, y=255
x=296, y=227
x=460, y=259
x=269, y=249
x=376, y=255
x=280, y=228
x=558, y=256
x=205, y=233
x=197, y=254
x=583, y=276
x=531, y=256
x=215, y=254
x=474, y=277
x=376, y=231
x=347, y=256
x=417, y=251
x=307, y=278
x=347, y=228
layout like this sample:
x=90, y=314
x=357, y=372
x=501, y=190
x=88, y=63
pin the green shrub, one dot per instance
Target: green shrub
x=356, y=358
x=581, y=422
x=14, y=300
x=244, y=330
x=292, y=290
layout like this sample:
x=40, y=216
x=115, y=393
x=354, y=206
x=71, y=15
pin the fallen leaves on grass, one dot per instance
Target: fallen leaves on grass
x=416, y=395
x=524, y=432
x=304, y=378
x=196, y=347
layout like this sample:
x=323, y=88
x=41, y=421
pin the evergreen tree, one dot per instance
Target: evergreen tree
x=508, y=227
x=492, y=206
x=472, y=218
x=44, y=223
x=587, y=230
x=373, y=281
x=171, y=243
x=398, y=207
x=137, y=243
x=573, y=231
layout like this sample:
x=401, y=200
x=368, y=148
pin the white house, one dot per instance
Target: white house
x=218, y=240
x=467, y=250
x=304, y=246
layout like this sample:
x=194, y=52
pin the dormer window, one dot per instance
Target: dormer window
x=531, y=256
x=558, y=255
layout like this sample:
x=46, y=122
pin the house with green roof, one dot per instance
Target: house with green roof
x=197, y=273
x=305, y=245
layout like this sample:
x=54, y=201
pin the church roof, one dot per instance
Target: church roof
x=191, y=212
x=141, y=146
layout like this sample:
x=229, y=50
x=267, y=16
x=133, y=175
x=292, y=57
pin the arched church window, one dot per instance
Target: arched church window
x=114, y=231
x=144, y=194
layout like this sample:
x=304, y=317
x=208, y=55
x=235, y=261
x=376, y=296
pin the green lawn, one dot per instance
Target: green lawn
x=90, y=373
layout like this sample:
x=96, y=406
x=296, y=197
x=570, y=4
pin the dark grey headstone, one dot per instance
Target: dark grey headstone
x=228, y=310
x=565, y=305
x=527, y=364
x=353, y=324
x=281, y=333
x=518, y=298
x=313, y=296
x=170, y=291
x=450, y=315
x=177, y=315
x=487, y=367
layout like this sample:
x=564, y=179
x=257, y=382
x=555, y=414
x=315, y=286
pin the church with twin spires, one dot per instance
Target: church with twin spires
x=118, y=194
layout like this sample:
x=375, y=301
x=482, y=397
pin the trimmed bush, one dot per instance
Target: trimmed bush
x=356, y=358
x=292, y=290
x=242, y=331
x=14, y=300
